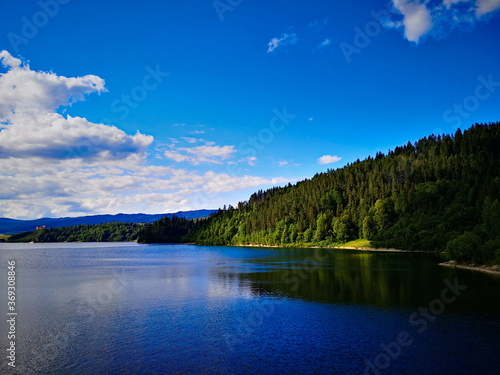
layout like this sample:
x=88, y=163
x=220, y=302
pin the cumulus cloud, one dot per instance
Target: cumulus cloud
x=486, y=6
x=55, y=165
x=23, y=89
x=284, y=40
x=327, y=159
x=207, y=153
x=424, y=17
x=8, y=60
x=417, y=19
x=223, y=183
x=52, y=136
x=32, y=188
x=30, y=127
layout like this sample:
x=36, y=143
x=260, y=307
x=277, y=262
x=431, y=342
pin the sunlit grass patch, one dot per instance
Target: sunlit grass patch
x=358, y=243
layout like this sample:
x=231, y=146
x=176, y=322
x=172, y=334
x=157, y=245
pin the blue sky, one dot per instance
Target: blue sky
x=160, y=106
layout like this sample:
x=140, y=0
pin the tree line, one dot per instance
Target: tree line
x=107, y=232
x=441, y=193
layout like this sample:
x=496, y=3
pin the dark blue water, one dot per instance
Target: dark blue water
x=176, y=309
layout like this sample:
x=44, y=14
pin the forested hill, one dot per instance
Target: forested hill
x=106, y=232
x=440, y=193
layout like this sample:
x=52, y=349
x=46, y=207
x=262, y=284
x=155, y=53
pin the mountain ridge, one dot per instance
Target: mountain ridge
x=13, y=226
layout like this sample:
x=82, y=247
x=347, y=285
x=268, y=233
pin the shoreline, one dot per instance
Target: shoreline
x=494, y=270
x=338, y=247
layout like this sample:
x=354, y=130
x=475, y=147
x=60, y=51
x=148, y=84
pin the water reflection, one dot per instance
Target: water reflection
x=357, y=277
x=321, y=311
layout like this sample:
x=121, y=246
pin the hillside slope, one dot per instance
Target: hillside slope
x=440, y=193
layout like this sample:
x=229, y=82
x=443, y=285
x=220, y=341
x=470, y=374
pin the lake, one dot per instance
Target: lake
x=126, y=308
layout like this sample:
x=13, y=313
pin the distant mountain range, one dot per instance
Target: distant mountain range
x=12, y=226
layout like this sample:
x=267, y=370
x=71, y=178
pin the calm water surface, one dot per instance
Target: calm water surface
x=124, y=308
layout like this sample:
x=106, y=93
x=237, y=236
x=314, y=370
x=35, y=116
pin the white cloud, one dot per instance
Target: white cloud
x=449, y=3
x=33, y=188
x=487, y=6
x=325, y=43
x=57, y=165
x=223, y=183
x=417, y=18
x=283, y=163
x=284, y=40
x=52, y=136
x=8, y=60
x=211, y=151
x=201, y=154
x=32, y=128
x=250, y=160
x=425, y=17
x=24, y=89
x=327, y=159
x=192, y=140
x=175, y=156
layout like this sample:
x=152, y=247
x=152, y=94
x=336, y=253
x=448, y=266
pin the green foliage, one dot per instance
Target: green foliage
x=369, y=227
x=343, y=229
x=491, y=217
x=464, y=247
x=170, y=230
x=440, y=193
x=491, y=250
x=108, y=232
x=323, y=227
x=384, y=214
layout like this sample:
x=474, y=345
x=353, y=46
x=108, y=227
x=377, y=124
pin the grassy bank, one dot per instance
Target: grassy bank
x=360, y=244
